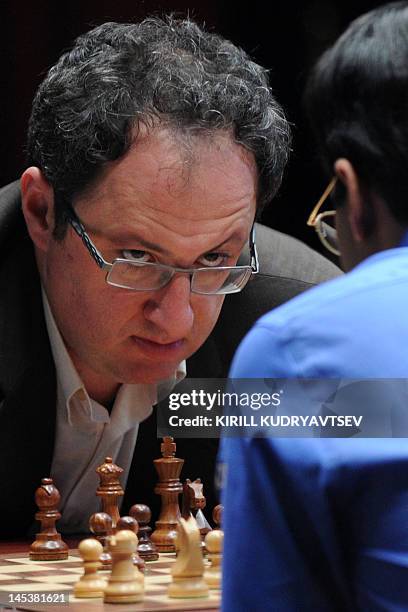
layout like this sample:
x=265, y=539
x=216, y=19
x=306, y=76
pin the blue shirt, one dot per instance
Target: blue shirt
x=322, y=524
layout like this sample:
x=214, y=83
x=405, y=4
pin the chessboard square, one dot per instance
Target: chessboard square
x=159, y=579
x=22, y=568
x=86, y=602
x=35, y=587
x=65, y=578
x=159, y=566
x=159, y=571
x=164, y=602
x=70, y=558
x=74, y=570
x=165, y=558
x=25, y=560
x=160, y=589
x=67, y=566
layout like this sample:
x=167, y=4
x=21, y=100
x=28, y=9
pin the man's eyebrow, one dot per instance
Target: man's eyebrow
x=128, y=238
x=236, y=237
x=123, y=238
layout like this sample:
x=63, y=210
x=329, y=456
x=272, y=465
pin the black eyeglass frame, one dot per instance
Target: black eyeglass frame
x=252, y=268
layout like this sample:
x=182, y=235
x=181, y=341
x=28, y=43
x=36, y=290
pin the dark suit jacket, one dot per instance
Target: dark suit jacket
x=27, y=373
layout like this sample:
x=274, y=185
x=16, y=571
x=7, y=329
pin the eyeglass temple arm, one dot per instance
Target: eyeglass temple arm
x=253, y=252
x=325, y=194
x=80, y=230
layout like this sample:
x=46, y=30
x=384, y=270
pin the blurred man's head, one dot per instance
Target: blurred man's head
x=357, y=100
x=163, y=140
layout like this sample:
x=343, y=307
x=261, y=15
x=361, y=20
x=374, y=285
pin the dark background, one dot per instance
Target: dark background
x=284, y=36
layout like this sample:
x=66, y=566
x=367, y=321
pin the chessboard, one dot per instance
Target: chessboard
x=21, y=578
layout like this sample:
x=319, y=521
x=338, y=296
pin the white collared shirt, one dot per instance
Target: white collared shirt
x=86, y=433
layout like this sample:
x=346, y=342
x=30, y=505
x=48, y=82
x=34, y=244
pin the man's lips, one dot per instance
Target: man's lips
x=157, y=348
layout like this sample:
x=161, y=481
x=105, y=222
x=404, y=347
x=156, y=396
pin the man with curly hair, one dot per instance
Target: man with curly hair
x=151, y=148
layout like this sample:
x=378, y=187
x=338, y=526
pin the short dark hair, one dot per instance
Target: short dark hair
x=119, y=76
x=357, y=102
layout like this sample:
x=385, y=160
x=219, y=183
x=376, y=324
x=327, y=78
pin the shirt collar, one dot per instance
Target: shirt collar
x=133, y=402
x=400, y=250
x=404, y=241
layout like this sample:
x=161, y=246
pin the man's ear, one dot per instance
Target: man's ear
x=353, y=202
x=359, y=214
x=37, y=197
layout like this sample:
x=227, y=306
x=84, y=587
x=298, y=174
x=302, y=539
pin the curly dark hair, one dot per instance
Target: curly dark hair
x=168, y=71
x=357, y=102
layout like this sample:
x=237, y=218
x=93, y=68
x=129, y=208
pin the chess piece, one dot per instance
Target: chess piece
x=169, y=488
x=128, y=522
x=48, y=545
x=214, y=542
x=193, y=504
x=91, y=584
x=188, y=569
x=198, y=498
x=146, y=548
x=217, y=515
x=126, y=583
x=110, y=489
x=187, y=501
x=100, y=524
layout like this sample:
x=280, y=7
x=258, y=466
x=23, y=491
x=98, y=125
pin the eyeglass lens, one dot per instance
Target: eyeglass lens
x=147, y=278
x=327, y=229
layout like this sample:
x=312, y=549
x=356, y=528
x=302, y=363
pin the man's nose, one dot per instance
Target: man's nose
x=170, y=308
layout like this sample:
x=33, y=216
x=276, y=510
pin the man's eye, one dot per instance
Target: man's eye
x=136, y=255
x=214, y=259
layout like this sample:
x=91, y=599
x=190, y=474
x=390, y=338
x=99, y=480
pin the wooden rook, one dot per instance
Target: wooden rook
x=146, y=548
x=110, y=489
x=128, y=522
x=48, y=545
x=169, y=488
x=100, y=524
